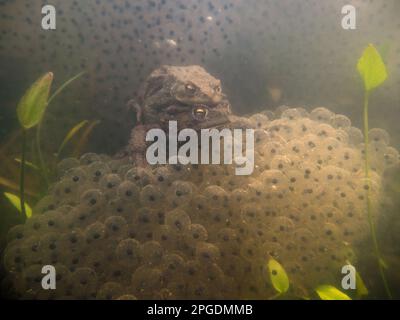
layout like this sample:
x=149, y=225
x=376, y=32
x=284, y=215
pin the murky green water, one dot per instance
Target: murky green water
x=115, y=229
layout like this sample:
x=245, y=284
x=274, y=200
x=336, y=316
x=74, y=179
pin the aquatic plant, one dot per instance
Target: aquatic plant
x=16, y=202
x=373, y=72
x=328, y=292
x=278, y=276
x=30, y=111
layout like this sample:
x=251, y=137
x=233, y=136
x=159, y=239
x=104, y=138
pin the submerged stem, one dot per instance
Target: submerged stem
x=22, y=174
x=369, y=206
x=43, y=168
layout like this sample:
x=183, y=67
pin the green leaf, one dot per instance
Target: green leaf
x=64, y=85
x=33, y=104
x=16, y=202
x=71, y=134
x=28, y=164
x=372, y=68
x=278, y=276
x=327, y=292
x=360, y=285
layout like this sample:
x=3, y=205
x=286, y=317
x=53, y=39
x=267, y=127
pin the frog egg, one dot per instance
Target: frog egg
x=355, y=136
x=282, y=226
x=216, y=196
x=331, y=214
x=379, y=135
x=218, y=218
x=67, y=192
x=260, y=136
x=280, y=130
x=172, y=265
x=146, y=281
x=95, y=232
x=330, y=147
x=198, y=208
x=64, y=165
x=295, y=180
x=177, y=220
x=54, y=220
x=312, y=143
x=139, y=176
x=151, y=196
x=196, y=232
x=146, y=218
x=273, y=179
x=88, y=158
x=13, y=259
x=92, y=199
x=342, y=136
x=152, y=253
x=50, y=241
x=163, y=176
x=31, y=250
x=251, y=214
x=295, y=147
x=109, y=291
x=18, y=234
x=72, y=241
x=178, y=287
x=117, y=272
x=120, y=207
x=128, y=191
x=96, y=260
x=76, y=175
x=259, y=120
x=330, y=233
x=304, y=237
x=198, y=290
x=32, y=278
x=129, y=252
x=238, y=197
x=227, y=236
x=109, y=184
x=45, y=204
x=97, y=170
x=291, y=114
x=165, y=236
x=321, y=114
x=310, y=171
x=282, y=163
x=116, y=227
x=339, y=121
x=207, y=253
x=391, y=157
x=84, y=283
x=324, y=130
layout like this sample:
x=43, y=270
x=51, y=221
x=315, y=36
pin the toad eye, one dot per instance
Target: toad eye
x=190, y=88
x=200, y=112
x=218, y=89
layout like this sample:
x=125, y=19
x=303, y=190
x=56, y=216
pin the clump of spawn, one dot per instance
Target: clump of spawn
x=114, y=231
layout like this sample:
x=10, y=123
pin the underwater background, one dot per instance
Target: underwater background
x=267, y=54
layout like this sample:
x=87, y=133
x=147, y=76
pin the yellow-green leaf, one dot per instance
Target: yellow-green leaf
x=16, y=202
x=71, y=134
x=360, y=285
x=28, y=164
x=33, y=104
x=327, y=292
x=278, y=276
x=372, y=68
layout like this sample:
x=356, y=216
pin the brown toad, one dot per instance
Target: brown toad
x=186, y=94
